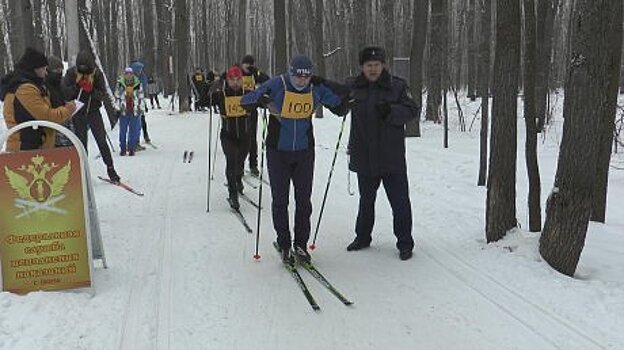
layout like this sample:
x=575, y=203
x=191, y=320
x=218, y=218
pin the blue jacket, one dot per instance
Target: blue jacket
x=290, y=134
x=139, y=70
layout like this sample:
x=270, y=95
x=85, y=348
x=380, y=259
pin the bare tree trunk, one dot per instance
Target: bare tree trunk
x=24, y=27
x=53, y=9
x=437, y=43
x=72, y=30
x=182, y=52
x=501, y=186
x=37, y=25
x=113, y=47
x=419, y=37
x=472, y=51
x=530, y=67
x=607, y=113
x=163, y=52
x=83, y=36
x=5, y=43
x=387, y=13
x=359, y=26
x=596, y=30
x=281, y=53
x=242, y=27
x=149, y=48
x=545, y=22
x=129, y=17
x=319, y=38
x=484, y=85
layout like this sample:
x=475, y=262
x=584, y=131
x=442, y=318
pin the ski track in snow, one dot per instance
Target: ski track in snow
x=181, y=278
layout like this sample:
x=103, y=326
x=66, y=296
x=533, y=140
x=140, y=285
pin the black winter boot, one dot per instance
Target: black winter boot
x=358, y=244
x=405, y=255
x=112, y=174
x=233, y=200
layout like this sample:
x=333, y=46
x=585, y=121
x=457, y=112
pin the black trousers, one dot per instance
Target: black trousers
x=296, y=167
x=152, y=98
x=397, y=191
x=85, y=120
x=144, y=127
x=235, y=148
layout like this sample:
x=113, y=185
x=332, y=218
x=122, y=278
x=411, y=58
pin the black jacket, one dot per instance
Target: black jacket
x=233, y=127
x=93, y=100
x=53, y=83
x=377, y=145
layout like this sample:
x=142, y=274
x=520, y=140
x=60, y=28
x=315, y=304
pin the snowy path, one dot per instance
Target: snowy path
x=181, y=278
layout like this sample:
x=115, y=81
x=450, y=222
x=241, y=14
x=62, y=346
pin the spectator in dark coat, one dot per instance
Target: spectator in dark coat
x=57, y=97
x=377, y=147
x=86, y=82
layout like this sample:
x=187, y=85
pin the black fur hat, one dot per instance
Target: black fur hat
x=372, y=53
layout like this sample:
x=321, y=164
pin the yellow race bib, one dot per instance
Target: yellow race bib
x=233, y=108
x=297, y=106
x=249, y=83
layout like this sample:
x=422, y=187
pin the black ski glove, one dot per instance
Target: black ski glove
x=264, y=100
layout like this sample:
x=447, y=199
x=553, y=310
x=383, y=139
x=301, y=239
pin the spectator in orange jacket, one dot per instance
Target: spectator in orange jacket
x=26, y=98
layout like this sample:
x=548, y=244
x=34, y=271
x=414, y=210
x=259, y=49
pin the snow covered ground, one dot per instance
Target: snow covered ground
x=181, y=278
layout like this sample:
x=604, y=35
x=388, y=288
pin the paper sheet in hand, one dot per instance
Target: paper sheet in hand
x=78, y=106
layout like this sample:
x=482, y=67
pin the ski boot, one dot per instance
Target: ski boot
x=302, y=255
x=112, y=174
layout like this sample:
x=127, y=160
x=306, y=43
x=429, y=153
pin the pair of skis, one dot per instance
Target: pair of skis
x=240, y=215
x=255, y=183
x=187, y=157
x=122, y=185
x=314, y=272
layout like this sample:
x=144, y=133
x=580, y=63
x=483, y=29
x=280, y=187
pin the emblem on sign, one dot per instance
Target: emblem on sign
x=39, y=186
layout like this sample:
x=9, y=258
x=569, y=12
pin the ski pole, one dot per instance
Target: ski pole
x=110, y=142
x=349, y=190
x=208, y=176
x=214, y=158
x=264, y=127
x=331, y=172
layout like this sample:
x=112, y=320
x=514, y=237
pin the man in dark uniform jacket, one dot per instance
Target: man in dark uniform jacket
x=377, y=147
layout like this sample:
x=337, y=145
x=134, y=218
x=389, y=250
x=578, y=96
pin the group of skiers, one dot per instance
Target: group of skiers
x=380, y=106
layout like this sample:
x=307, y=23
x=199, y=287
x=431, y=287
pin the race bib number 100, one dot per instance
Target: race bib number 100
x=297, y=106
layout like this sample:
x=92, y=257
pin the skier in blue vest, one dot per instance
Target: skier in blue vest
x=292, y=99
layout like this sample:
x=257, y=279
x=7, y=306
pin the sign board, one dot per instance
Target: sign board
x=47, y=218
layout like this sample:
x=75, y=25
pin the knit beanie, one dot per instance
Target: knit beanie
x=234, y=72
x=55, y=64
x=249, y=59
x=31, y=60
x=300, y=66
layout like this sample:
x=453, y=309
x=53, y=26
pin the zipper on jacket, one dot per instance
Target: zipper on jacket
x=295, y=134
